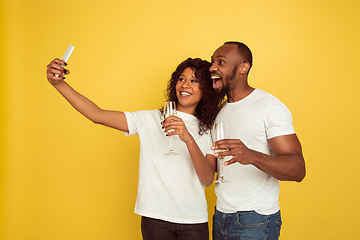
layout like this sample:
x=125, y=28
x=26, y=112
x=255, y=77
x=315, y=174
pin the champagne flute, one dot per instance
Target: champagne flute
x=218, y=133
x=170, y=110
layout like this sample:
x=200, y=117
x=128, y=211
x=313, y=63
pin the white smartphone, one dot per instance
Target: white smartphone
x=67, y=54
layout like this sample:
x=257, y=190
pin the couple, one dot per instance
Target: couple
x=262, y=144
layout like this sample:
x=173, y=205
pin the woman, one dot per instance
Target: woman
x=171, y=194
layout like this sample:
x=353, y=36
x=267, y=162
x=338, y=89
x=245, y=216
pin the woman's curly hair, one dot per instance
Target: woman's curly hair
x=210, y=104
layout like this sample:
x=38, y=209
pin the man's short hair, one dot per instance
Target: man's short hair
x=244, y=51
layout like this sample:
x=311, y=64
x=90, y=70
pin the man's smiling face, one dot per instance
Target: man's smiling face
x=225, y=62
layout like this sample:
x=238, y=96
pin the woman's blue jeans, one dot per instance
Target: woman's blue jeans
x=246, y=225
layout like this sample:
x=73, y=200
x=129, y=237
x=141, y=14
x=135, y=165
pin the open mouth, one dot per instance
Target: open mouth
x=216, y=80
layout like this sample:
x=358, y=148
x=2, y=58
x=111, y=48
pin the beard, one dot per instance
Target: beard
x=222, y=92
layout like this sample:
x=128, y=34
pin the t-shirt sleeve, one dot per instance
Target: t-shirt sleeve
x=136, y=121
x=278, y=119
x=209, y=143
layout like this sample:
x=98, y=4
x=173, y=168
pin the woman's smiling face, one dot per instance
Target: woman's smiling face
x=188, y=91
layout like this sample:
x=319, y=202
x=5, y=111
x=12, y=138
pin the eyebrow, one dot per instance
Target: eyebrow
x=192, y=76
x=219, y=56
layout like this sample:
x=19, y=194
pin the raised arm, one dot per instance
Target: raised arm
x=86, y=107
x=204, y=166
x=287, y=165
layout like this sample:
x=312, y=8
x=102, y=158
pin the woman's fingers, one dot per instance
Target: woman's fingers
x=55, y=70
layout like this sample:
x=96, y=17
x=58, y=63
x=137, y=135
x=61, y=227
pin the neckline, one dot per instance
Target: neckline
x=241, y=100
x=183, y=115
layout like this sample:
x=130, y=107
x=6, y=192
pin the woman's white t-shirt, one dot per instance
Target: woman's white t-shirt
x=168, y=187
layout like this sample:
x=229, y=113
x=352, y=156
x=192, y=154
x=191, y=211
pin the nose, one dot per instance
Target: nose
x=185, y=84
x=213, y=67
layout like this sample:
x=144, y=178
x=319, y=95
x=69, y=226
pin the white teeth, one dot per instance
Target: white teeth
x=215, y=77
x=185, y=94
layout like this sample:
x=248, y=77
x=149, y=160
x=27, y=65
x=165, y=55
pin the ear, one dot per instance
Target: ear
x=244, y=68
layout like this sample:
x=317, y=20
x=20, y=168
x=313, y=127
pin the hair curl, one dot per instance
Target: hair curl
x=210, y=104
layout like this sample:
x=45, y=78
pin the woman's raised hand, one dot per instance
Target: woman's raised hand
x=178, y=125
x=56, y=66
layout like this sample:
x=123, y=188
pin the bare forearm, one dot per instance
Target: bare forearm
x=289, y=167
x=287, y=164
x=203, y=168
x=82, y=104
x=55, y=73
x=115, y=119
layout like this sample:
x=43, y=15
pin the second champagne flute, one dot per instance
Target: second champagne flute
x=218, y=133
x=170, y=110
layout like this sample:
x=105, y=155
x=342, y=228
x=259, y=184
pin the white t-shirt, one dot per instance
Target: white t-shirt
x=168, y=187
x=254, y=119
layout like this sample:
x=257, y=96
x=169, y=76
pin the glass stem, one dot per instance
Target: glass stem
x=221, y=167
x=171, y=149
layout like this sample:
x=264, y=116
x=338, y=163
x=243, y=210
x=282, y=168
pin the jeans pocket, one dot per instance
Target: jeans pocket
x=251, y=219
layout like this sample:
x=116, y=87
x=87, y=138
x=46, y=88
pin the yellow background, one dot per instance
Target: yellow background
x=62, y=177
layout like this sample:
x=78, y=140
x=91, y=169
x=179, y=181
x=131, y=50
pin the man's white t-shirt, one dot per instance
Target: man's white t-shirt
x=254, y=120
x=168, y=187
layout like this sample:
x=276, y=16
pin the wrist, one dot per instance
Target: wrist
x=55, y=82
x=190, y=141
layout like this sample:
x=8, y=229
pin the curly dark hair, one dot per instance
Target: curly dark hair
x=210, y=104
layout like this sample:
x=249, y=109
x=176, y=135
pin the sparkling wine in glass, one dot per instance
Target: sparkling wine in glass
x=170, y=110
x=218, y=133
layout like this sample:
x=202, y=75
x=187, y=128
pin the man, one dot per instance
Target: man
x=262, y=148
